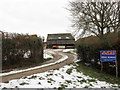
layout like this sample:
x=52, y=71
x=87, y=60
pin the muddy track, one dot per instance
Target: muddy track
x=56, y=57
x=69, y=60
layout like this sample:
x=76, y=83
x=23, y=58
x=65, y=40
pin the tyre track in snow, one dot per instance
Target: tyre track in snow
x=59, y=55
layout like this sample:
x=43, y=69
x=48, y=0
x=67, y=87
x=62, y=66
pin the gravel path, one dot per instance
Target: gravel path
x=70, y=59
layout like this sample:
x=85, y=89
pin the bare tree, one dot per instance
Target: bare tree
x=119, y=19
x=96, y=18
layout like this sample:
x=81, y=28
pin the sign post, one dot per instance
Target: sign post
x=116, y=69
x=109, y=56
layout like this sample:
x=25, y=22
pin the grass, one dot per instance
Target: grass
x=91, y=80
x=49, y=74
x=75, y=50
x=69, y=81
x=62, y=87
x=86, y=87
x=24, y=77
x=39, y=83
x=23, y=83
x=72, y=51
x=94, y=73
x=6, y=82
x=41, y=78
x=83, y=81
x=69, y=71
x=4, y=88
x=50, y=79
x=47, y=59
x=32, y=77
x=62, y=77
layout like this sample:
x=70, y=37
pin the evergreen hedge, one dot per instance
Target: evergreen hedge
x=16, y=46
x=88, y=50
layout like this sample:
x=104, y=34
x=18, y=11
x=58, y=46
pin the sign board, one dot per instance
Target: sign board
x=108, y=56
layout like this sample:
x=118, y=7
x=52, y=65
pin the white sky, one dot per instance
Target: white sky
x=39, y=17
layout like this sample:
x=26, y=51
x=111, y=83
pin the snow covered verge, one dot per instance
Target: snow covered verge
x=65, y=77
x=48, y=54
x=64, y=57
x=72, y=51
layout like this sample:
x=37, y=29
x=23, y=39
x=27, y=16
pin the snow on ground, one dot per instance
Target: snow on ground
x=57, y=49
x=65, y=77
x=27, y=54
x=64, y=57
x=73, y=51
x=48, y=54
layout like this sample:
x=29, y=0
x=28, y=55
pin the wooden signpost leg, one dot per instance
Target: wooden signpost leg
x=116, y=69
x=101, y=66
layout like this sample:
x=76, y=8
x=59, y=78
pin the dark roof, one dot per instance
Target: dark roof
x=60, y=36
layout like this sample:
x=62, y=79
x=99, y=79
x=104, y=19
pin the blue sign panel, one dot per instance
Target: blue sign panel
x=108, y=56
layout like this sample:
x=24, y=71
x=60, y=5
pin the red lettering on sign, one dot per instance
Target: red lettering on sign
x=108, y=53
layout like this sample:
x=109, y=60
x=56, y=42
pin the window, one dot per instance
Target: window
x=59, y=37
x=67, y=37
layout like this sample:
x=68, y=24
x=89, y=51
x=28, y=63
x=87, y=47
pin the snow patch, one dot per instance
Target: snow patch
x=27, y=54
x=64, y=57
x=73, y=51
x=48, y=54
x=58, y=79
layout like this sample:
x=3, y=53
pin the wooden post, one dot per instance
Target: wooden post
x=101, y=62
x=116, y=69
x=101, y=66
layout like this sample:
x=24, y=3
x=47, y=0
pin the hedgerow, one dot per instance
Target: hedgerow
x=88, y=50
x=20, y=50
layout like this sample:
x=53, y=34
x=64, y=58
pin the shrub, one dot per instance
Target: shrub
x=89, y=52
x=16, y=46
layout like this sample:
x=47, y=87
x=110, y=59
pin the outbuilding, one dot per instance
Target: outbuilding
x=60, y=40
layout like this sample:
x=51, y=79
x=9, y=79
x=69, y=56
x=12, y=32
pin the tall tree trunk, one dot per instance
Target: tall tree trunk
x=102, y=22
x=119, y=20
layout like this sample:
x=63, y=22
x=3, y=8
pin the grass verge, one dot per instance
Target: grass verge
x=71, y=52
x=95, y=73
x=47, y=59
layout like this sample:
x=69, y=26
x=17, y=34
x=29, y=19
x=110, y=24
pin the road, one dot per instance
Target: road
x=70, y=59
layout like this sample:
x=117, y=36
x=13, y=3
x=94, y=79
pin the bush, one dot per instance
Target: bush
x=21, y=50
x=89, y=52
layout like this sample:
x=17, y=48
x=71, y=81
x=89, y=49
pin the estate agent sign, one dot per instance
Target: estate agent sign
x=108, y=56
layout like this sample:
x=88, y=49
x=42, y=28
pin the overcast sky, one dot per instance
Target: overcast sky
x=39, y=17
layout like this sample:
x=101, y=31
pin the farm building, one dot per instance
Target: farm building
x=61, y=40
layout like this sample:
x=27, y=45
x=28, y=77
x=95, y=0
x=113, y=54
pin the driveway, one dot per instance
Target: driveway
x=58, y=55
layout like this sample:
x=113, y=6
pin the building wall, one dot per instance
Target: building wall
x=61, y=42
x=65, y=43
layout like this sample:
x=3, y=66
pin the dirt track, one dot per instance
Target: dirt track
x=70, y=59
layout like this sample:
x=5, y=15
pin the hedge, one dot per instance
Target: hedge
x=20, y=50
x=89, y=52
